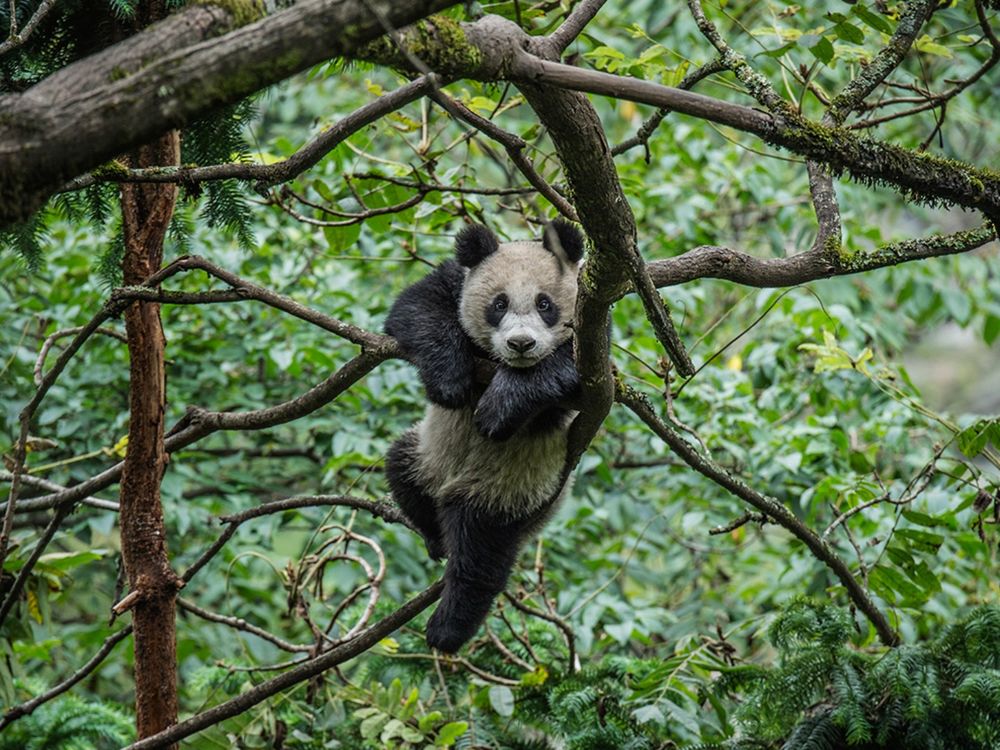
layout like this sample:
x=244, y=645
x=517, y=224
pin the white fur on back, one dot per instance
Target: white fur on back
x=515, y=476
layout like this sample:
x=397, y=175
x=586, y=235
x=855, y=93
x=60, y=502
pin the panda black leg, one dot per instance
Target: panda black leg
x=482, y=550
x=417, y=505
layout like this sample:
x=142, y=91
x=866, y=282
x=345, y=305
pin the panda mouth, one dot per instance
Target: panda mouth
x=521, y=361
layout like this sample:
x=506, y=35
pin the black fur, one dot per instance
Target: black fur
x=550, y=313
x=481, y=546
x=424, y=320
x=417, y=505
x=474, y=244
x=496, y=310
x=516, y=395
x=482, y=550
x=569, y=238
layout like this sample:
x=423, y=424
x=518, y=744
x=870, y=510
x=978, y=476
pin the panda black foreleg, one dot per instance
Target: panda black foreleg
x=418, y=506
x=515, y=395
x=425, y=321
x=482, y=550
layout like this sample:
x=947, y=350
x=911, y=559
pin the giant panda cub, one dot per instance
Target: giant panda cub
x=482, y=470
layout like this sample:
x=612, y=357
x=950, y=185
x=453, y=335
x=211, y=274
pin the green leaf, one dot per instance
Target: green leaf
x=820, y=46
x=780, y=51
x=64, y=561
x=873, y=20
x=931, y=47
x=991, y=329
x=849, y=33
x=923, y=540
x=972, y=440
x=426, y=723
x=450, y=732
x=922, y=519
x=502, y=700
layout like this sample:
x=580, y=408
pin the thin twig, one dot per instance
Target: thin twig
x=265, y=175
x=514, y=145
x=23, y=709
x=570, y=29
x=17, y=38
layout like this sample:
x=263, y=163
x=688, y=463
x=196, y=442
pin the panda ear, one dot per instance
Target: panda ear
x=563, y=240
x=474, y=244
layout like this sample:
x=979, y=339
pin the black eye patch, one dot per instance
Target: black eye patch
x=496, y=310
x=547, y=309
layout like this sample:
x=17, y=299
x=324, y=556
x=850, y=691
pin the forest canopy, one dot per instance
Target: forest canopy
x=782, y=531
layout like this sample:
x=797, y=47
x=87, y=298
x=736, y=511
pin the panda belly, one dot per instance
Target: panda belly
x=513, y=477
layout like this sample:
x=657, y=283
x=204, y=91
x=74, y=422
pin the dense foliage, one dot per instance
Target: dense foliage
x=638, y=620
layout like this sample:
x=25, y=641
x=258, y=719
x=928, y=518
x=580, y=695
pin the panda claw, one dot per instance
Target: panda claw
x=445, y=636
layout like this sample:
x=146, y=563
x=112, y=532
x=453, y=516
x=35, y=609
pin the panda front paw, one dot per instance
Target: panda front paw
x=452, y=391
x=494, y=418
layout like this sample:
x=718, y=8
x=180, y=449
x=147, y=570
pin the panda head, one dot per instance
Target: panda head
x=518, y=298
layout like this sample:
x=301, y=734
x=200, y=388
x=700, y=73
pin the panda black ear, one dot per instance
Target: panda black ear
x=568, y=237
x=474, y=244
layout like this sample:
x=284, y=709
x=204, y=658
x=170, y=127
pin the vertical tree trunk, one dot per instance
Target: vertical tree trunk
x=146, y=213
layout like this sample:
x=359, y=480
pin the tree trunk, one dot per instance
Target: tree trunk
x=146, y=213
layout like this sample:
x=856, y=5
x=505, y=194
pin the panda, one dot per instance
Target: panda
x=483, y=470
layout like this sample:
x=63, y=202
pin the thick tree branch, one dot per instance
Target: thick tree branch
x=574, y=24
x=918, y=176
x=164, y=77
x=713, y=262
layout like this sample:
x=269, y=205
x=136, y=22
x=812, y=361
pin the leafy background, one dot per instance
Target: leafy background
x=682, y=637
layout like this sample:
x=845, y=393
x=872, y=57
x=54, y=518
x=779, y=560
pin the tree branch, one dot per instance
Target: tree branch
x=23, y=709
x=772, y=508
x=300, y=673
x=164, y=77
x=265, y=175
x=713, y=262
x=570, y=29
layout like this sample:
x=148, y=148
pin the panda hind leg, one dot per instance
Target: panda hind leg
x=482, y=550
x=418, y=506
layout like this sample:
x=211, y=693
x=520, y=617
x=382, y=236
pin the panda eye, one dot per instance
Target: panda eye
x=543, y=303
x=500, y=303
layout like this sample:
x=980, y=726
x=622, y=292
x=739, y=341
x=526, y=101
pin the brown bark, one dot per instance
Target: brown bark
x=146, y=213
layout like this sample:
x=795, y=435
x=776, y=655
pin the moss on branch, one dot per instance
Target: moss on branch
x=438, y=43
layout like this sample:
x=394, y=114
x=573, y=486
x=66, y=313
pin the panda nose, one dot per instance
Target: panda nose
x=521, y=344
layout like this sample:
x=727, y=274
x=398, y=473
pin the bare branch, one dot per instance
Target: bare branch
x=919, y=176
x=769, y=506
x=298, y=674
x=514, y=146
x=265, y=175
x=911, y=20
x=641, y=138
x=164, y=77
x=17, y=38
x=570, y=29
x=248, y=290
x=53, y=337
x=32, y=504
x=23, y=709
x=710, y=261
x=238, y=623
